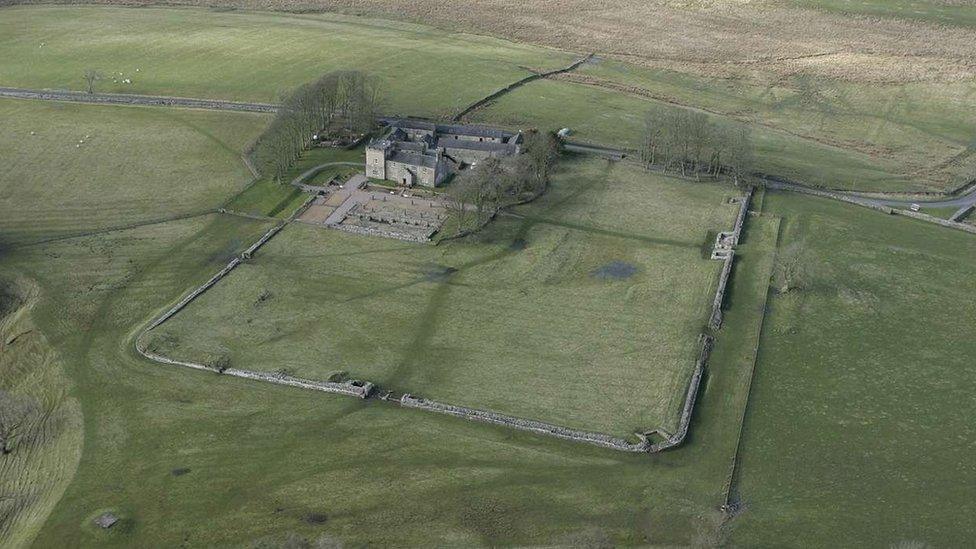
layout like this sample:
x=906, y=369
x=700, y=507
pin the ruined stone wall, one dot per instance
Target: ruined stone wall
x=715, y=321
x=392, y=233
x=484, y=416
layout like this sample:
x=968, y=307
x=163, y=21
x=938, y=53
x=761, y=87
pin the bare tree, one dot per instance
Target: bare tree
x=92, y=76
x=458, y=197
x=15, y=414
x=792, y=266
x=740, y=154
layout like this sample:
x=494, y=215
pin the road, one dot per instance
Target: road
x=961, y=201
x=132, y=99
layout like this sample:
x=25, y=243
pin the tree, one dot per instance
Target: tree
x=540, y=151
x=740, y=155
x=15, y=414
x=92, y=76
x=458, y=197
x=336, y=103
x=792, y=267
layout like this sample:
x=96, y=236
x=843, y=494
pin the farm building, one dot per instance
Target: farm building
x=414, y=152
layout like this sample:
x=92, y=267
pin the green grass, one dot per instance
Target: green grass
x=521, y=331
x=135, y=165
x=255, y=56
x=944, y=213
x=261, y=458
x=910, y=124
x=34, y=475
x=928, y=11
x=265, y=197
x=860, y=417
x=829, y=156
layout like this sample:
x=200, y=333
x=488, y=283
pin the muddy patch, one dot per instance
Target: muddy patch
x=180, y=471
x=316, y=518
x=517, y=245
x=438, y=273
x=615, y=270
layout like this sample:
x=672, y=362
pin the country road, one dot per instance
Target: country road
x=962, y=202
x=131, y=99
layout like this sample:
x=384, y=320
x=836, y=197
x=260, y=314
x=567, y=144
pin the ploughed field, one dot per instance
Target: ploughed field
x=582, y=309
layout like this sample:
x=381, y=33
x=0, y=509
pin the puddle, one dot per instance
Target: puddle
x=438, y=273
x=615, y=270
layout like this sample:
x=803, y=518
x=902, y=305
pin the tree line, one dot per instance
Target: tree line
x=692, y=144
x=476, y=194
x=340, y=102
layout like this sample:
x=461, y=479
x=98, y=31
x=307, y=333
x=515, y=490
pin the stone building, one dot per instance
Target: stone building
x=414, y=152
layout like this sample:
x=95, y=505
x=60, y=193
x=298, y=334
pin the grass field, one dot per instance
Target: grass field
x=941, y=12
x=265, y=197
x=74, y=168
x=908, y=129
x=163, y=446
x=858, y=430
x=730, y=38
x=255, y=56
x=860, y=413
x=519, y=319
x=378, y=474
x=34, y=475
x=612, y=117
x=918, y=134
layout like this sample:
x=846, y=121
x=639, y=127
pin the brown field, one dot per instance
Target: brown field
x=725, y=38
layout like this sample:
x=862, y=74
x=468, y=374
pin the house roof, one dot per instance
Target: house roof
x=451, y=129
x=507, y=148
x=414, y=158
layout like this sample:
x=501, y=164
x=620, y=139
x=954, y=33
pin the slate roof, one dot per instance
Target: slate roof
x=451, y=129
x=476, y=145
x=413, y=158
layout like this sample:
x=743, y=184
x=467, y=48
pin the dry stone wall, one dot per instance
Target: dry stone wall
x=365, y=389
x=691, y=396
x=715, y=320
x=518, y=83
x=937, y=220
x=484, y=416
x=127, y=99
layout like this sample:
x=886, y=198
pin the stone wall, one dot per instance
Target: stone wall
x=518, y=83
x=365, y=389
x=961, y=213
x=937, y=220
x=538, y=427
x=359, y=389
x=691, y=396
x=369, y=231
x=715, y=320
